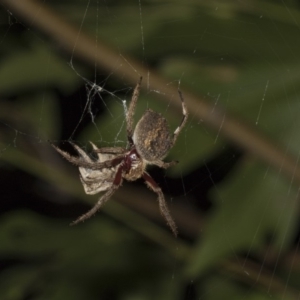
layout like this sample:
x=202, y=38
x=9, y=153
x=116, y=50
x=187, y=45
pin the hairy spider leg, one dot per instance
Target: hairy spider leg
x=184, y=118
x=78, y=161
x=131, y=110
x=110, y=150
x=161, y=200
x=116, y=184
x=165, y=165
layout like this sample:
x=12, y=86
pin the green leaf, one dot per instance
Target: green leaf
x=253, y=205
x=35, y=68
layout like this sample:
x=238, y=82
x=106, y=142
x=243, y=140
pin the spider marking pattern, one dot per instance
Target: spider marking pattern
x=148, y=143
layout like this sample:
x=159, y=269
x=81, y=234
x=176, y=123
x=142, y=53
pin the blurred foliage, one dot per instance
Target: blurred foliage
x=73, y=263
x=243, y=57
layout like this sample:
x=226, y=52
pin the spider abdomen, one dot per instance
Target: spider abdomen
x=152, y=137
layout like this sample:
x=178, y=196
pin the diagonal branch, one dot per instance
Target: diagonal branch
x=237, y=131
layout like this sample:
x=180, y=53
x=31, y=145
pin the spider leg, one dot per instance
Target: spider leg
x=97, y=206
x=165, y=165
x=106, y=153
x=131, y=110
x=162, y=202
x=116, y=184
x=79, y=161
x=109, y=150
x=184, y=118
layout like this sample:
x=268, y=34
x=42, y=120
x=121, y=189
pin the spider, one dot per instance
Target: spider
x=148, y=144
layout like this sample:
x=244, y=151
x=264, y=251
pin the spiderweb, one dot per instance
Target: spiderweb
x=235, y=192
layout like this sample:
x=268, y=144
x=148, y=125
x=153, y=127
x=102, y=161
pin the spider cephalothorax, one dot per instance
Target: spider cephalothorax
x=148, y=144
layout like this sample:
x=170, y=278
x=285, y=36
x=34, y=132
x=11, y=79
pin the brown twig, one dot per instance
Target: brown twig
x=38, y=15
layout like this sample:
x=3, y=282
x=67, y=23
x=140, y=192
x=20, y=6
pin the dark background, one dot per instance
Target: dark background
x=234, y=193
